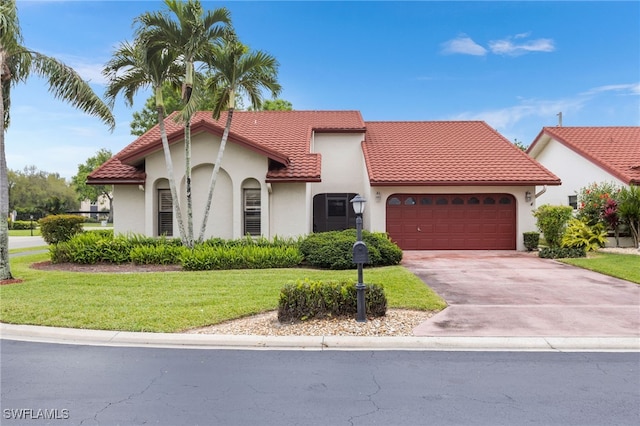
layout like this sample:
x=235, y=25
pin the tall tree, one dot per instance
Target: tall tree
x=236, y=69
x=134, y=67
x=38, y=193
x=189, y=30
x=274, y=105
x=146, y=118
x=17, y=63
x=93, y=192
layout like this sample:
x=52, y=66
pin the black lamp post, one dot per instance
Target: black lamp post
x=31, y=224
x=360, y=256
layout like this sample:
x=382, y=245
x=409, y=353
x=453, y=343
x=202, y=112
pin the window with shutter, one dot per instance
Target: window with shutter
x=252, y=209
x=165, y=213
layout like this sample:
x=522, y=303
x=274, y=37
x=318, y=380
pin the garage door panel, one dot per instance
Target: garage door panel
x=453, y=221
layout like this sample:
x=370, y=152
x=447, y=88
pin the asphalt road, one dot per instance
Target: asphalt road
x=91, y=385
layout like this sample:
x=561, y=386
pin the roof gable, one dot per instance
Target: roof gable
x=614, y=149
x=447, y=153
x=282, y=136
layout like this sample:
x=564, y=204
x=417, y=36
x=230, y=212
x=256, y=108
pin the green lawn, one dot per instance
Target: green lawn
x=24, y=232
x=625, y=266
x=173, y=301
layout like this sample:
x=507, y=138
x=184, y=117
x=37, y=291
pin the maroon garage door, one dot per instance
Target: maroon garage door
x=452, y=221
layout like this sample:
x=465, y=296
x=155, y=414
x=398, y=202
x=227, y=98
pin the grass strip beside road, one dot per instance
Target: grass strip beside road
x=624, y=266
x=174, y=301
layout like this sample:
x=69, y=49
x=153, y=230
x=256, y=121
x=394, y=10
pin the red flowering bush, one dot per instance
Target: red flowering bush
x=594, y=199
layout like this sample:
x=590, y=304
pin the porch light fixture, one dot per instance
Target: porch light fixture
x=360, y=257
x=527, y=196
x=358, y=205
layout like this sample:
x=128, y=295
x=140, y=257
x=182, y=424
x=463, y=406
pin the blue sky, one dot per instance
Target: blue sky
x=514, y=65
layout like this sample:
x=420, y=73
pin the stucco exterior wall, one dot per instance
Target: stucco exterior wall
x=343, y=166
x=375, y=216
x=239, y=166
x=574, y=171
x=289, y=211
x=128, y=209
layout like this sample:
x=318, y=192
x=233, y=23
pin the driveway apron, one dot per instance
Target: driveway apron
x=517, y=294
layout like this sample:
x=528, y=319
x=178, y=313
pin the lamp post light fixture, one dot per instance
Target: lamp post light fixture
x=31, y=224
x=360, y=257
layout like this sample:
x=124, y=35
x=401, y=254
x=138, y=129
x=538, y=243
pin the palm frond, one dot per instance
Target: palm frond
x=66, y=84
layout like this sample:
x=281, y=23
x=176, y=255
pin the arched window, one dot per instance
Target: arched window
x=394, y=201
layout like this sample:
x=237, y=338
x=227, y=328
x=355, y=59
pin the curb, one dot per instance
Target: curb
x=28, y=333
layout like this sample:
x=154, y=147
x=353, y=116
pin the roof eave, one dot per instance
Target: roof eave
x=116, y=181
x=466, y=183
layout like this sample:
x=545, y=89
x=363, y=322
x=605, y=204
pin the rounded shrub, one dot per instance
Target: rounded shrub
x=334, y=249
x=59, y=228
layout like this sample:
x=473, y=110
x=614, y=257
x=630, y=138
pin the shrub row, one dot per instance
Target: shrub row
x=562, y=252
x=333, y=250
x=326, y=250
x=307, y=299
x=101, y=246
x=206, y=258
x=23, y=224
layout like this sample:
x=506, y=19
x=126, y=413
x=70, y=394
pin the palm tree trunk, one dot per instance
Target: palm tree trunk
x=187, y=167
x=5, y=268
x=214, y=174
x=172, y=182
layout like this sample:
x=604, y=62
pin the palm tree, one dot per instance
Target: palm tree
x=17, y=63
x=134, y=67
x=236, y=69
x=187, y=29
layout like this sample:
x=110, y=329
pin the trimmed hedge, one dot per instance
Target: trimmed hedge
x=307, y=299
x=561, y=252
x=531, y=240
x=334, y=249
x=23, y=224
x=59, y=228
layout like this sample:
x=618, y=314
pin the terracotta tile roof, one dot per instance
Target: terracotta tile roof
x=114, y=172
x=447, y=153
x=282, y=136
x=615, y=149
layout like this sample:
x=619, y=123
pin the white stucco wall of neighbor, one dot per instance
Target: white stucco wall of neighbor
x=574, y=171
x=128, y=209
x=524, y=218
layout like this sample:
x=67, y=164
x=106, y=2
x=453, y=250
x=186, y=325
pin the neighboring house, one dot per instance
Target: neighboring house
x=581, y=156
x=430, y=185
x=100, y=206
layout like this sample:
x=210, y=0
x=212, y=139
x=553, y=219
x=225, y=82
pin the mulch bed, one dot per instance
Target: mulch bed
x=124, y=268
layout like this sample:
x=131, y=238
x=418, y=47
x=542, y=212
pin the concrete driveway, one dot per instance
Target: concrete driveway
x=511, y=294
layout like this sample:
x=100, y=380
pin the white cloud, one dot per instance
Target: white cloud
x=508, y=47
x=505, y=118
x=463, y=45
x=625, y=89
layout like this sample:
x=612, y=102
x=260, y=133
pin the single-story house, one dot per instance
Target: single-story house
x=581, y=156
x=428, y=184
